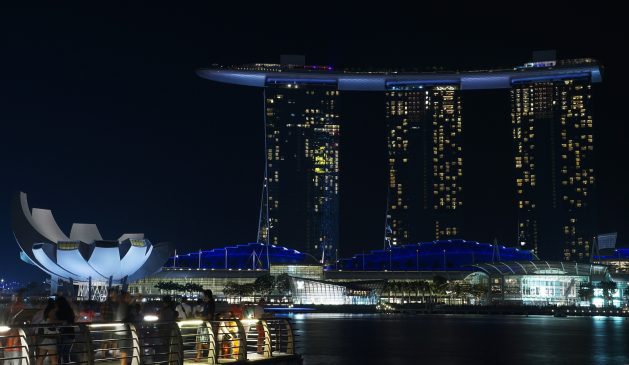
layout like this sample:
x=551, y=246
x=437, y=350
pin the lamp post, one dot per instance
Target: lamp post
x=444, y=260
x=363, y=260
x=417, y=259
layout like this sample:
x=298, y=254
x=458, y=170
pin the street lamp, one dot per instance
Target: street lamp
x=417, y=259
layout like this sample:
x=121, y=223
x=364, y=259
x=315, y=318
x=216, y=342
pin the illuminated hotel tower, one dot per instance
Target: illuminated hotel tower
x=302, y=172
x=554, y=164
x=425, y=163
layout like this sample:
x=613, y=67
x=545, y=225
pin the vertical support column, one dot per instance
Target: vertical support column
x=290, y=340
x=54, y=284
x=242, y=341
x=135, y=353
x=87, y=340
x=24, y=347
x=212, y=354
x=175, y=347
x=266, y=340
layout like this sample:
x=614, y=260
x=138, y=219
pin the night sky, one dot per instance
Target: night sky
x=103, y=120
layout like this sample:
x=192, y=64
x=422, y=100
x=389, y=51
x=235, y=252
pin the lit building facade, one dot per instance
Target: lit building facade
x=425, y=158
x=302, y=172
x=540, y=282
x=483, y=273
x=554, y=163
x=618, y=261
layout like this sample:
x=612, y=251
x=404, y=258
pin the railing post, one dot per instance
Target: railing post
x=290, y=341
x=175, y=348
x=267, y=351
x=24, y=347
x=135, y=354
x=212, y=354
x=89, y=349
x=242, y=340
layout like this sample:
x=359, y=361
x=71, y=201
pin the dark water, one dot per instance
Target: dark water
x=332, y=339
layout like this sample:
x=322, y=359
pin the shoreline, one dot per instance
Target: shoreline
x=473, y=310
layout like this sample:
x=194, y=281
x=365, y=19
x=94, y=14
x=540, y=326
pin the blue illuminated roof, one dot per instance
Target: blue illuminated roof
x=618, y=254
x=246, y=256
x=382, y=81
x=455, y=255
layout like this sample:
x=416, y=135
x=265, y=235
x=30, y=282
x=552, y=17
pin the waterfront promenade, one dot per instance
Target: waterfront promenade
x=265, y=341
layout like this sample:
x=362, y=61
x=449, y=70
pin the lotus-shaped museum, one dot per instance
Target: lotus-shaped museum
x=84, y=255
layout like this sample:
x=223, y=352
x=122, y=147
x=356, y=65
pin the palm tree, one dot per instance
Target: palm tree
x=388, y=287
x=478, y=291
x=439, y=284
x=586, y=292
x=425, y=287
x=609, y=288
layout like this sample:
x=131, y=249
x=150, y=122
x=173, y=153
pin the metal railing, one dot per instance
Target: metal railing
x=159, y=343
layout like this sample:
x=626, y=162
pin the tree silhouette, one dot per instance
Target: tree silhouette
x=609, y=288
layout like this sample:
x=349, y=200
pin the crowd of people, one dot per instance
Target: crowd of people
x=53, y=343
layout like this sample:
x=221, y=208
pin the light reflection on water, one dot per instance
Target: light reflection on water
x=332, y=339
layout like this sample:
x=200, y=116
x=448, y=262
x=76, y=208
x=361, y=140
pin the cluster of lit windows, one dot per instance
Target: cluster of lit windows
x=577, y=166
x=441, y=230
x=404, y=114
x=562, y=110
x=424, y=124
x=146, y=286
x=528, y=104
x=299, y=271
x=447, y=154
x=67, y=245
x=302, y=128
x=541, y=289
x=447, y=158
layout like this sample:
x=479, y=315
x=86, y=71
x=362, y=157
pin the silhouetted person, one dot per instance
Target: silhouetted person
x=65, y=315
x=167, y=312
x=127, y=313
x=208, y=306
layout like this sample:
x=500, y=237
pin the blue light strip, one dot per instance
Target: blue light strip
x=276, y=81
x=401, y=83
x=521, y=80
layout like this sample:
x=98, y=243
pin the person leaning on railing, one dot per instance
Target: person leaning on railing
x=65, y=315
x=127, y=313
x=260, y=314
x=108, y=310
x=202, y=341
x=47, y=344
x=205, y=310
x=225, y=336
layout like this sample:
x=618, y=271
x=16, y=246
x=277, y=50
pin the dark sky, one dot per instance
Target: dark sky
x=103, y=120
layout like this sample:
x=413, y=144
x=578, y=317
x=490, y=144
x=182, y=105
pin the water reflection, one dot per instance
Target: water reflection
x=454, y=339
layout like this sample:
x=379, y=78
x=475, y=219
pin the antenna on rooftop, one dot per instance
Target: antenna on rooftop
x=264, y=222
x=495, y=253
